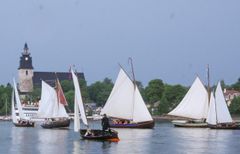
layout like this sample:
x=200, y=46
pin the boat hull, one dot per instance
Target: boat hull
x=143, y=125
x=100, y=135
x=56, y=124
x=27, y=124
x=187, y=124
x=224, y=126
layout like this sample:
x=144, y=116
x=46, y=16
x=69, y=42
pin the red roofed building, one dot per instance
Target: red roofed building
x=230, y=95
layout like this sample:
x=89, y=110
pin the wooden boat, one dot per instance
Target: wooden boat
x=56, y=123
x=189, y=123
x=21, y=120
x=126, y=103
x=218, y=115
x=51, y=107
x=22, y=123
x=194, y=105
x=145, y=124
x=94, y=134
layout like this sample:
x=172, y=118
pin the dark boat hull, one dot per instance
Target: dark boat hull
x=100, y=135
x=56, y=124
x=27, y=124
x=142, y=125
x=225, y=126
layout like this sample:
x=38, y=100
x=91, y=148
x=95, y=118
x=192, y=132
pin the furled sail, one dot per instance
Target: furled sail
x=194, y=104
x=78, y=99
x=125, y=101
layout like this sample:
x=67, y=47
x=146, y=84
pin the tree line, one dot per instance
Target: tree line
x=160, y=97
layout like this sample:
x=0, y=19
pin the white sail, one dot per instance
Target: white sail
x=125, y=101
x=141, y=112
x=78, y=98
x=76, y=116
x=211, y=118
x=194, y=104
x=18, y=102
x=49, y=106
x=223, y=115
x=14, y=117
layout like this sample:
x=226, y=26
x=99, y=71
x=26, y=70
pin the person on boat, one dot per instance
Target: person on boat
x=105, y=123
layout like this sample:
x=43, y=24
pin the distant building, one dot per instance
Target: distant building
x=28, y=78
x=230, y=95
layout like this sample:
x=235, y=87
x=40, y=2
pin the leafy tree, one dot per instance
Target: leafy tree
x=99, y=91
x=234, y=108
x=236, y=85
x=154, y=90
x=171, y=98
x=70, y=99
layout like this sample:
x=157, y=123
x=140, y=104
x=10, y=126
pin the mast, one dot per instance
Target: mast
x=6, y=106
x=134, y=83
x=131, y=63
x=208, y=85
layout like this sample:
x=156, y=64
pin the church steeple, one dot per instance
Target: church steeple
x=25, y=59
x=25, y=49
x=25, y=71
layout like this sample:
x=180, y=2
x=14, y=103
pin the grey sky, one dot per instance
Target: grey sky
x=168, y=39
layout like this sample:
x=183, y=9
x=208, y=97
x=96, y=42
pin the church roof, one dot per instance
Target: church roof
x=50, y=77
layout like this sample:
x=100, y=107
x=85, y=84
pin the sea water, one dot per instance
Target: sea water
x=164, y=138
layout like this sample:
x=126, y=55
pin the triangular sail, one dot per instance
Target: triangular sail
x=223, y=115
x=76, y=116
x=60, y=95
x=125, y=101
x=49, y=106
x=141, y=112
x=194, y=104
x=78, y=98
x=211, y=118
x=18, y=102
x=14, y=117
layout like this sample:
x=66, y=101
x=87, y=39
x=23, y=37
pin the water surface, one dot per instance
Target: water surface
x=164, y=138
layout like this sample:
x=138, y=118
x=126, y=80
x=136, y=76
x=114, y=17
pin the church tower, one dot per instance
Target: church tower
x=25, y=71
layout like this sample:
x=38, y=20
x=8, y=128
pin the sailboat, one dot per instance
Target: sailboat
x=52, y=108
x=21, y=120
x=218, y=114
x=194, y=106
x=126, y=106
x=91, y=134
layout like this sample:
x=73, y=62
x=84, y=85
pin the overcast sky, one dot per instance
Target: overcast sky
x=168, y=39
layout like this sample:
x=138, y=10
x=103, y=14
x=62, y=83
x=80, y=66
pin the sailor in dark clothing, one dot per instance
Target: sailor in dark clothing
x=105, y=123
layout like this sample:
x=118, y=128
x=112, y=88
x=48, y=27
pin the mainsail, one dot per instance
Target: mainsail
x=78, y=104
x=194, y=104
x=49, y=106
x=18, y=102
x=125, y=101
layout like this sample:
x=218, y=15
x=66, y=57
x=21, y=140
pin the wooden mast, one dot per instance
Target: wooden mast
x=208, y=85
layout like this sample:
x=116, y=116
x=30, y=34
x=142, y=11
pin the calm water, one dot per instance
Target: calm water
x=163, y=139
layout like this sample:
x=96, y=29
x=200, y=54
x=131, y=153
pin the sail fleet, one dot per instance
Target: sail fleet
x=126, y=108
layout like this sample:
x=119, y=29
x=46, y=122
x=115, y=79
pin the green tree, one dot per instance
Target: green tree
x=70, y=99
x=154, y=90
x=171, y=98
x=236, y=85
x=234, y=108
x=100, y=91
